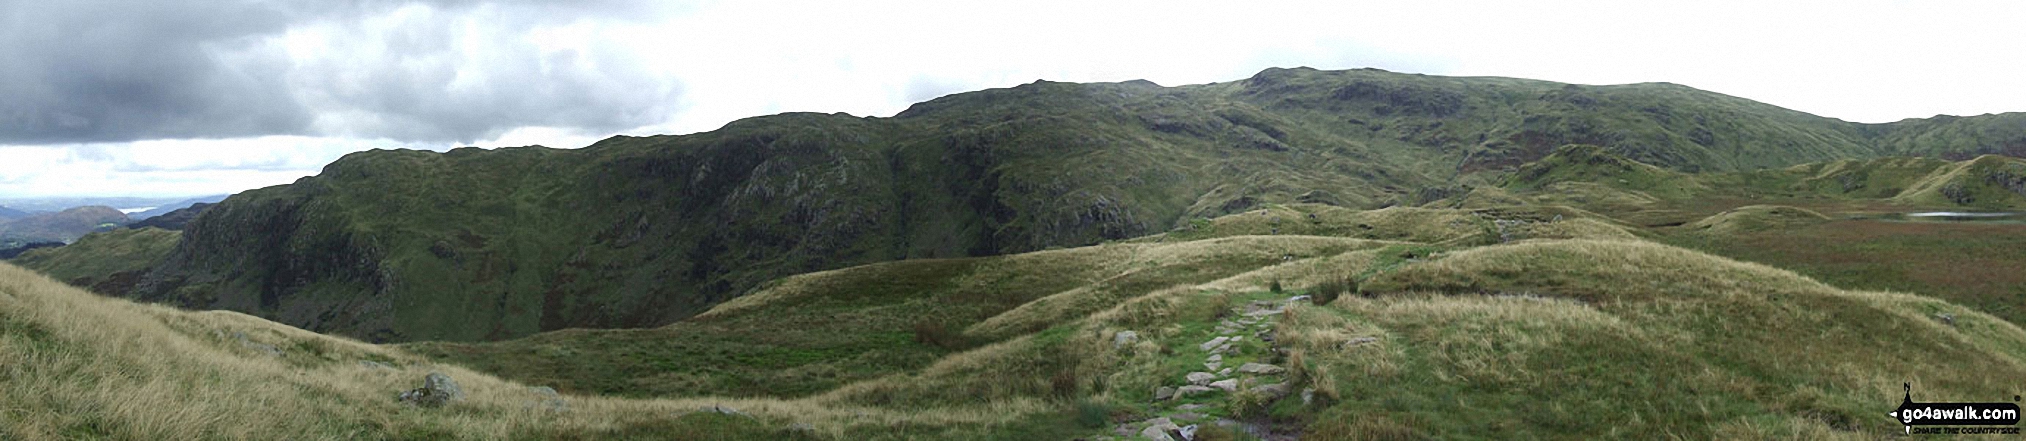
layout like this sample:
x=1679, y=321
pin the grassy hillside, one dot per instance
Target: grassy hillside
x=631, y=232
x=1531, y=321
x=108, y=262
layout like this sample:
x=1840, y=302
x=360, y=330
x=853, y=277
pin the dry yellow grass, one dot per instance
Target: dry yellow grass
x=1101, y=295
x=73, y=365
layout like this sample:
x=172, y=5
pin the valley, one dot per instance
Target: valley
x=1299, y=255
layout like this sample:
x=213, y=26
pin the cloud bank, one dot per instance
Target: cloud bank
x=451, y=71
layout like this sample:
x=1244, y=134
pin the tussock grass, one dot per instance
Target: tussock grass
x=76, y=365
x=1631, y=339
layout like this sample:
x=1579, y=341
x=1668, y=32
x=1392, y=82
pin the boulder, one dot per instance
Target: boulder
x=1201, y=378
x=1260, y=369
x=1124, y=338
x=1164, y=393
x=437, y=390
x=547, y=399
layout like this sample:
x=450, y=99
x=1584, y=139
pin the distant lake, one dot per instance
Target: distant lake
x=1958, y=216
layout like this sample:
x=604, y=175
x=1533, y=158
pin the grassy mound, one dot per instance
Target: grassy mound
x=1755, y=218
x=1988, y=182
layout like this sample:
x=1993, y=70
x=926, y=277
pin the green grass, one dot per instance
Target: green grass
x=102, y=257
x=1972, y=264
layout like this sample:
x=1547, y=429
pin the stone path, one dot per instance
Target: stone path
x=1249, y=322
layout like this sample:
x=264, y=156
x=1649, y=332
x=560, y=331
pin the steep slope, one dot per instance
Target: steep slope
x=638, y=232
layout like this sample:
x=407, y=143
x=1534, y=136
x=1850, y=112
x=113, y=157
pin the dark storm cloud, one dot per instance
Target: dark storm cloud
x=457, y=71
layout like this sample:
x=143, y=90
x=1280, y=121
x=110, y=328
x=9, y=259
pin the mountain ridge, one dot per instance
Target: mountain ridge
x=643, y=231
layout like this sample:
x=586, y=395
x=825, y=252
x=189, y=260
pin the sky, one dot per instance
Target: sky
x=193, y=97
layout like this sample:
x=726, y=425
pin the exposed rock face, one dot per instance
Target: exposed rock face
x=437, y=390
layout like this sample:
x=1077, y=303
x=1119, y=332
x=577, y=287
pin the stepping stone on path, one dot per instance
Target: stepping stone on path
x=1201, y=378
x=1229, y=385
x=1213, y=343
x=1261, y=369
x=1164, y=393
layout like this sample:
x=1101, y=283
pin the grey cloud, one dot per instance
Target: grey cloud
x=92, y=71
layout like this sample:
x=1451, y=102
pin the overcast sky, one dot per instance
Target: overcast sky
x=196, y=97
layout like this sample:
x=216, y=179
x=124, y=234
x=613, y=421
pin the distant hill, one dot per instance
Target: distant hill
x=178, y=205
x=9, y=213
x=173, y=220
x=63, y=226
x=106, y=262
x=641, y=231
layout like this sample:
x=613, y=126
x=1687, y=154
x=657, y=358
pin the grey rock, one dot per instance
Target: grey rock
x=1188, y=432
x=1201, y=378
x=1164, y=393
x=1186, y=391
x=1160, y=429
x=1228, y=385
x=1211, y=366
x=437, y=390
x=1260, y=369
x=1946, y=318
x=1156, y=434
x=1124, y=338
x=547, y=399
x=1226, y=371
x=1187, y=407
x=1213, y=343
x=722, y=410
x=1215, y=357
x=1307, y=396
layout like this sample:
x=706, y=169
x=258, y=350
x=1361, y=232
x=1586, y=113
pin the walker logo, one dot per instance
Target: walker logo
x=1912, y=414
